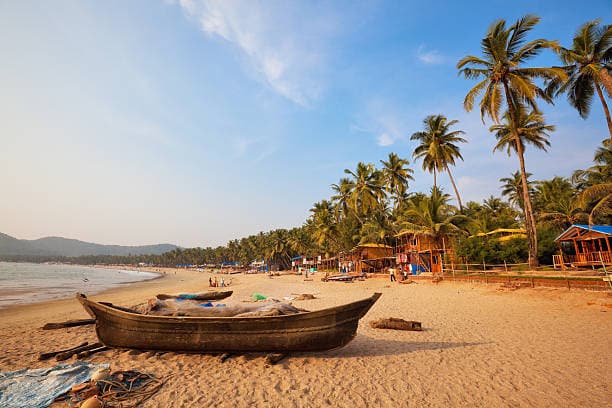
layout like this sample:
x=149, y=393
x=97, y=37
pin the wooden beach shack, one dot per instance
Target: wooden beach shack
x=299, y=263
x=584, y=246
x=371, y=258
x=420, y=252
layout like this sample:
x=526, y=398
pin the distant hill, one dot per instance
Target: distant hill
x=58, y=246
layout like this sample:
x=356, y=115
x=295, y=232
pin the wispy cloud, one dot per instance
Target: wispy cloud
x=430, y=57
x=284, y=46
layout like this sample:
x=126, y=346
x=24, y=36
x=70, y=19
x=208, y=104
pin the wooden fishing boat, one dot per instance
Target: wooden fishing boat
x=309, y=331
x=202, y=296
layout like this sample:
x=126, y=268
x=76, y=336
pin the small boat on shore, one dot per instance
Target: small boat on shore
x=307, y=331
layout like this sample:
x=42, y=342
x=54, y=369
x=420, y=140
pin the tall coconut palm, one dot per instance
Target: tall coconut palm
x=366, y=189
x=530, y=127
x=504, y=80
x=587, y=62
x=438, y=147
x=396, y=174
x=513, y=135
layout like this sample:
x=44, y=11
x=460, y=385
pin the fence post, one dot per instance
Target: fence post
x=505, y=266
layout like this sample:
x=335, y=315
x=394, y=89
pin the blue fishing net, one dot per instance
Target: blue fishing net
x=38, y=388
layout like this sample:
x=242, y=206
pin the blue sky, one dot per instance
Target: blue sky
x=196, y=122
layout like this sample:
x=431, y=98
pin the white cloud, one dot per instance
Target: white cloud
x=430, y=57
x=284, y=46
x=385, y=140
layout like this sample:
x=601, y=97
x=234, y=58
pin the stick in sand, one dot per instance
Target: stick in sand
x=69, y=323
x=67, y=354
x=46, y=356
x=88, y=353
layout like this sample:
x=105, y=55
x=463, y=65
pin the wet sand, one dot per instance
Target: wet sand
x=479, y=347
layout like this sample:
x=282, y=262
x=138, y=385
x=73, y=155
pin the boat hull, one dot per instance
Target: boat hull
x=311, y=331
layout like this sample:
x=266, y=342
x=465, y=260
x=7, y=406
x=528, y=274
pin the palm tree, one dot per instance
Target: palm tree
x=599, y=197
x=377, y=229
x=432, y=215
x=322, y=224
x=512, y=135
x=438, y=147
x=396, y=174
x=512, y=188
x=342, y=197
x=587, y=64
x=366, y=189
x=554, y=200
x=505, y=80
x=530, y=127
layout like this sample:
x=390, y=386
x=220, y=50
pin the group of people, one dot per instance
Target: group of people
x=214, y=283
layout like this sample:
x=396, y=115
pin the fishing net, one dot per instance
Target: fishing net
x=122, y=389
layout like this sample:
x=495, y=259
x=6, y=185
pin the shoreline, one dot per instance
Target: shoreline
x=51, y=297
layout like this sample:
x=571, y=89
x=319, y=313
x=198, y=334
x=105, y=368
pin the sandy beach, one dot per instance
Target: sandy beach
x=479, y=347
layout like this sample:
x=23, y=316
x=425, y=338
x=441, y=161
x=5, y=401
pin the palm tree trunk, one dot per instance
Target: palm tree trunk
x=604, y=76
x=434, y=174
x=530, y=225
x=454, y=188
x=605, y=107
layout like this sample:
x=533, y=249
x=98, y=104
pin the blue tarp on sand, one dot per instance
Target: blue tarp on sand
x=38, y=388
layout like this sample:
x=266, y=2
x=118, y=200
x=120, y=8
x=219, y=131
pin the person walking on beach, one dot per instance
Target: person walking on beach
x=392, y=274
x=210, y=282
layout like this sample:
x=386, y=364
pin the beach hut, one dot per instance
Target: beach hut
x=300, y=263
x=370, y=258
x=583, y=245
x=420, y=252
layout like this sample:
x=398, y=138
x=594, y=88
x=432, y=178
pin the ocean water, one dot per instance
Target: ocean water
x=22, y=283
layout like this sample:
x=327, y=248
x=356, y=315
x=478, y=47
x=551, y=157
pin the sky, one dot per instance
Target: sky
x=194, y=122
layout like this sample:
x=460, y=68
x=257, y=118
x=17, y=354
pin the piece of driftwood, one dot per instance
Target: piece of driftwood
x=67, y=354
x=69, y=323
x=46, y=356
x=272, y=359
x=88, y=353
x=396, y=324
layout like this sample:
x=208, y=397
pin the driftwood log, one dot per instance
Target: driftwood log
x=396, y=324
x=69, y=323
x=46, y=356
x=67, y=354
